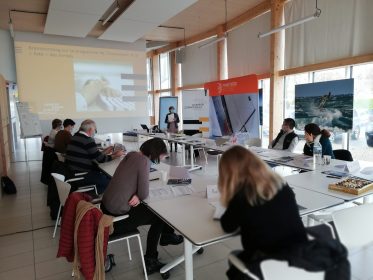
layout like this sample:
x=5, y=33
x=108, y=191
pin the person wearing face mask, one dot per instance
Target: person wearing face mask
x=82, y=154
x=287, y=139
x=172, y=119
x=63, y=137
x=127, y=188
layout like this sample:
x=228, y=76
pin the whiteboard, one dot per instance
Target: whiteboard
x=30, y=123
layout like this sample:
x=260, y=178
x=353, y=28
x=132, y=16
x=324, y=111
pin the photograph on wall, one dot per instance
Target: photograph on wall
x=328, y=104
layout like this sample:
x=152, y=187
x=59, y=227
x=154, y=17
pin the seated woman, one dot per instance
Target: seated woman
x=259, y=203
x=130, y=185
x=313, y=134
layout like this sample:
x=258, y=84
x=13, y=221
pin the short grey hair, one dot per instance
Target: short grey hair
x=87, y=125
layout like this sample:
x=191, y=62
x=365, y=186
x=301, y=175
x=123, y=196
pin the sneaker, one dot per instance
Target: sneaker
x=152, y=265
x=171, y=239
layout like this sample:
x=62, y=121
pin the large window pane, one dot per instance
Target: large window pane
x=363, y=112
x=149, y=74
x=331, y=74
x=264, y=85
x=164, y=70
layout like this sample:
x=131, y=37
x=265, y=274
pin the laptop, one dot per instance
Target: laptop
x=145, y=127
x=221, y=141
x=179, y=176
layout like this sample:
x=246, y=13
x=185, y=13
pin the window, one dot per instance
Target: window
x=164, y=70
x=265, y=85
x=149, y=73
x=363, y=112
x=331, y=74
x=150, y=104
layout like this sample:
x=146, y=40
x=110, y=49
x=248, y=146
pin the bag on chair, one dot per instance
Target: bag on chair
x=7, y=185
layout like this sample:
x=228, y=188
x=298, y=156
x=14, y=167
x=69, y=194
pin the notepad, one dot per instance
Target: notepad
x=213, y=197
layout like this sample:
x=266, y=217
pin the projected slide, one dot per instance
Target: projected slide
x=104, y=91
x=62, y=81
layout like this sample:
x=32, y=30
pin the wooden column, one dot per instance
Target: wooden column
x=175, y=75
x=276, y=102
x=221, y=57
x=4, y=121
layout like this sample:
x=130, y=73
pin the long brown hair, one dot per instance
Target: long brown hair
x=240, y=169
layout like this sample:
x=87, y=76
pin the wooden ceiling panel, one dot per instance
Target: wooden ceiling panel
x=200, y=17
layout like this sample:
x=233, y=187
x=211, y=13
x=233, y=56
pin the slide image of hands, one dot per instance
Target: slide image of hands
x=98, y=87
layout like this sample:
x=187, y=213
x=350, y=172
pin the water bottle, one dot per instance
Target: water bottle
x=108, y=141
x=317, y=153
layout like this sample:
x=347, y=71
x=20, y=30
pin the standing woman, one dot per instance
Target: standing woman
x=259, y=203
x=128, y=187
x=313, y=134
x=172, y=119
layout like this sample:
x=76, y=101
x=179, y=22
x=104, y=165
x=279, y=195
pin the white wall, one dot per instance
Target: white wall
x=7, y=61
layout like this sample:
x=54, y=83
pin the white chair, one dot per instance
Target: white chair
x=354, y=226
x=63, y=189
x=197, y=148
x=276, y=270
x=280, y=270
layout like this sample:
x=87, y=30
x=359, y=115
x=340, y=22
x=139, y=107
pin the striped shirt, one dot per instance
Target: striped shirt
x=82, y=152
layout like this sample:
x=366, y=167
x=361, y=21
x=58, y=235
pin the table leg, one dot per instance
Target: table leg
x=188, y=254
x=191, y=157
x=183, y=154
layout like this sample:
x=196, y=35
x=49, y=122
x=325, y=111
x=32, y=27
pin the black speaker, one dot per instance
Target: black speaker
x=180, y=55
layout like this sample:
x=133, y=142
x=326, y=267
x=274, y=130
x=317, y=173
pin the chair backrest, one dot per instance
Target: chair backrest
x=255, y=142
x=63, y=188
x=354, y=226
x=343, y=155
x=278, y=270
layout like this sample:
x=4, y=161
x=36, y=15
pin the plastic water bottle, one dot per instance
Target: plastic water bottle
x=108, y=141
x=317, y=153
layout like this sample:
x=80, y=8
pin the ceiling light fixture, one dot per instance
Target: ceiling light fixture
x=292, y=24
x=111, y=14
x=218, y=39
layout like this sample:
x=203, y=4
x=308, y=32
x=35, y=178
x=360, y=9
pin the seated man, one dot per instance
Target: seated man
x=63, y=137
x=56, y=126
x=287, y=139
x=82, y=152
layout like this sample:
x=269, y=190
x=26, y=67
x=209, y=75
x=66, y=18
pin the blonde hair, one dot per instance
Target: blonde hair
x=240, y=169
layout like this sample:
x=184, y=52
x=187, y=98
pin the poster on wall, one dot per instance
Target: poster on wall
x=164, y=104
x=234, y=106
x=328, y=104
x=195, y=112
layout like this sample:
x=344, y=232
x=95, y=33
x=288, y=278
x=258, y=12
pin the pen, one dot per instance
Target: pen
x=334, y=177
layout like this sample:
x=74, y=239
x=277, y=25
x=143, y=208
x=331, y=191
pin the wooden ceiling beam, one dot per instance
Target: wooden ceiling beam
x=250, y=14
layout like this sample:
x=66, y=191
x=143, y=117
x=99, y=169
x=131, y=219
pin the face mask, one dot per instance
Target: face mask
x=172, y=111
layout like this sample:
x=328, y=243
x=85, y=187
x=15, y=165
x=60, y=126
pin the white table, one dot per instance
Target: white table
x=192, y=215
x=318, y=182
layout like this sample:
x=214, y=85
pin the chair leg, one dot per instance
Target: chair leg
x=129, y=249
x=142, y=257
x=204, y=153
x=57, y=220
